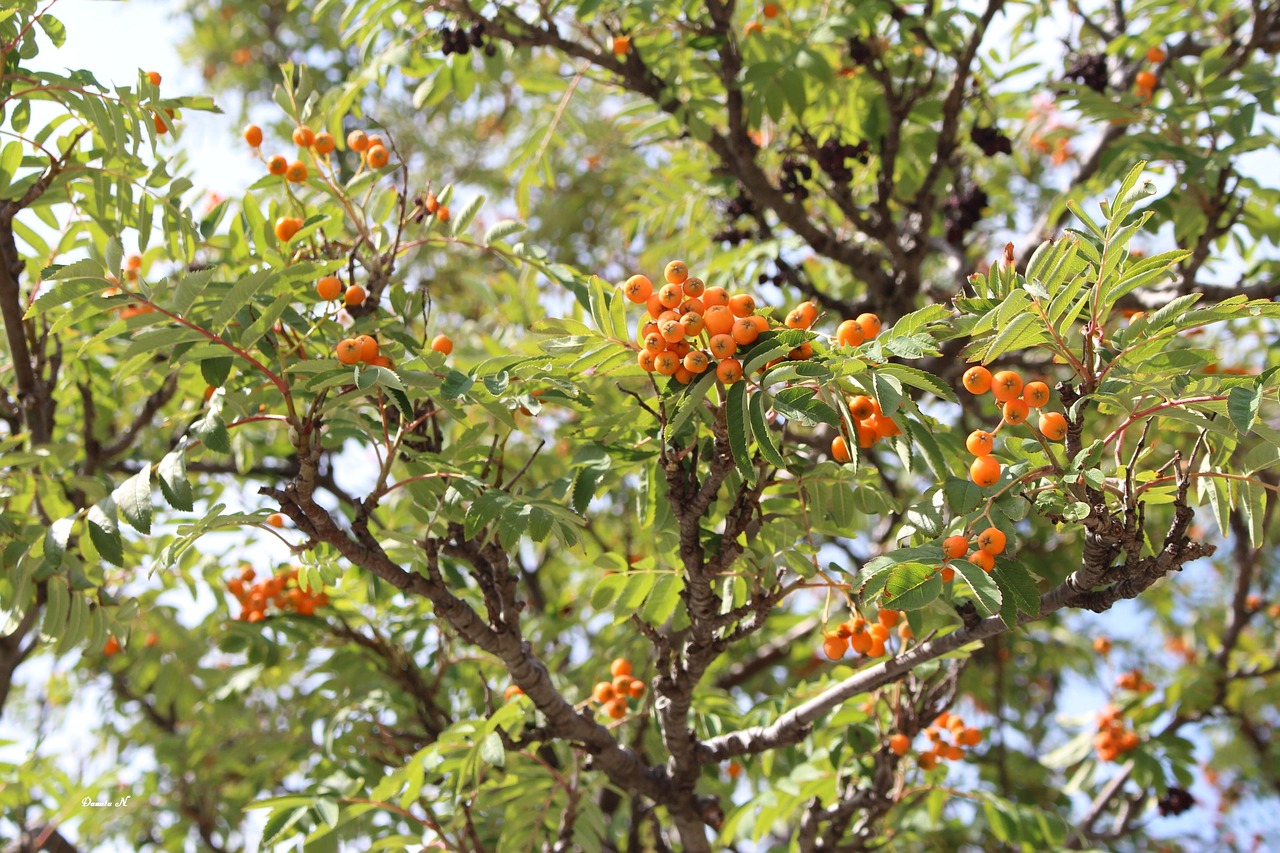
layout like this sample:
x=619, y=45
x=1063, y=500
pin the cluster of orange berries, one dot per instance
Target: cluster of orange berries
x=1016, y=403
x=870, y=424
x=280, y=589
x=330, y=287
x=1134, y=680
x=1145, y=82
x=962, y=737
x=1114, y=738
x=112, y=647
x=612, y=695
x=991, y=543
x=693, y=328
x=865, y=638
x=363, y=349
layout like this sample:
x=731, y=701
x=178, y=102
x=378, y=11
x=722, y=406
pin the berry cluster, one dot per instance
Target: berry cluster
x=1134, y=680
x=281, y=590
x=991, y=543
x=863, y=637
x=1175, y=802
x=991, y=140
x=962, y=737
x=612, y=695
x=1114, y=738
x=795, y=171
x=1145, y=82
x=459, y=40
x=330, y=288
x=1016, y=403
x=962, y=210
x=833, y=156
x=1090, y=69
x=363, y=349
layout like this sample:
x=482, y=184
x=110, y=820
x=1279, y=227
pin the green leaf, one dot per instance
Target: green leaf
x=133, y=499
x=1016, y=583
x=985, y=591
x=736, y=419
x=492, y=751
x=764, y=435
x=216, y=370
x=173, y=480
x=55, y=540
x=104, y=531
x=911, y=586
x=1242, y=405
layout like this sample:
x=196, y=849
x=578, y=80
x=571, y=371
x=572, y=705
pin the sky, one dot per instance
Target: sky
x=114, y=40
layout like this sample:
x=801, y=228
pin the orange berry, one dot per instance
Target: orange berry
x=296, y=173
x=742, y=305
x=696, y=362
x=653, y=305
x=303, y=136
x=354, y=295
x=877, y=649
x=247, y=574
x=621, y=685
x=375, y=139
x=112, y=647
x=670, y=295
x=751, y=27
x=928, y=760
x=442, y=213
x=1006, y=385
x=1145, y=81
x=905, y=632
x=348, y=351
x=723, y=346
x=637, y=688
x=947, y=574
x=620, y=666
x=863, y=407
x=771, y=10
x=715, y=296
x=323, y=145
x=654, y=343
x=729, y=371
x=617, y=709
x=1016, y=412
x=683, y=374
x=1053, y=425
x=676, y=272
x=955, y=547
x=621, y=44
x=867, y=435
x=971, y=737
x=802, y=316
x=380, y=361
x=511, y=692
x=899, y=743
x=861, y=642
x=849, y=334
x=329, y=288
x=1102, y=645
x=666, y=363
x=277, y=164
x=368, y=348
x=840, y=450
x=287, y=227
x=252, y=135
x=984, y=560
x=647, y=360
x=878, y=632
x=1156, y=55
x=152, y=639
x=985, y=471
x=693, y=287
x=991, y=540
x=801, y=352
x=884, y=427
x=1035, y=394
x=154, y=77
x=275, y=519
x=432, y=204
x=692, y=324
x=870, y=325
x=378, y=156
x=638, y=289
x=888, y=618
x=671, y=330
x=980, y=442
x=834, y=647
x=744, y=331
x=735, y=770
x=977, y=380
x=442, y=344
x=718, y=320
x=357, y=141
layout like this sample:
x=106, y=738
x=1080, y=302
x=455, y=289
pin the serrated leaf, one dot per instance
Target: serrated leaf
x=736, y=419
x=104, y=532
x=986, y=593
x=56, y=538
x=133, y=500
x=492, y=751
x=216, y=370
x=910, y=586
x=173, y=481
x=1242, y=405
x=763, y=435
x=1017, y=584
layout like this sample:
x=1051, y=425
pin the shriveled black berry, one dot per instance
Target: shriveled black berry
x=1090, y=69
x=1175, y=802
x=991, y=140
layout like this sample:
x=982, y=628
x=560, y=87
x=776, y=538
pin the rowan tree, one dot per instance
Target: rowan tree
x=842, y=429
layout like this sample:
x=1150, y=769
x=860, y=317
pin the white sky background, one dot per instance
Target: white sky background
x=114, y=40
